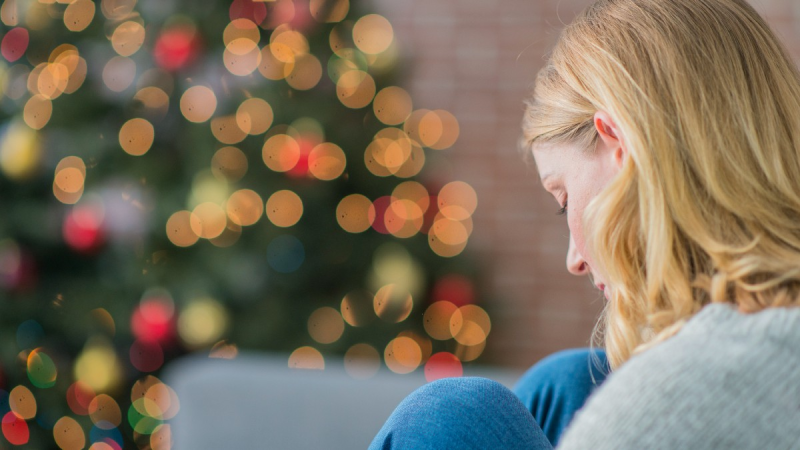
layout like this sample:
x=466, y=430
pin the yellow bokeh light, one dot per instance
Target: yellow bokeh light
x=326, y=161
x=20, y=151
x=281, y=152
x=306, y=73
x=78, y=15
x=9, y=13
x=52, y=81
x=98, y=367
x=293, y=39
x=450, y=130
x=244, y=207
x=325, y=325
x=355, y=89
x=128, y=38
x=241, y=29
x=470, y=325
x=457, y=200
x=402, y=355
x=154, y=100
x=436, y=320
x=425, y=344
x=22, y=402
x=69, y=180
x=357, y=309
x=136, y=136
x=447, y=238
x=241, y=57
x=198, y=104
x=254, y=116
x=119, y=73
x=77, y=77
x=355, y=213
x=37, y=112
x=179, y=229
x=341, y=38
x=226, y=130
x=229, y=163
x=392, y=303
x=373, y=34
x=277, y=62
x=413, y=164
x=468, y=353
x=208, y=220
x=105, y=412
x=306, y=358
x=68, y=434
x=325, y=11
x=202, y=322
x=284, y=208
x=414, y=191
x=117, y=9
x=392, y=105
x=430, y=128
x=362, y=361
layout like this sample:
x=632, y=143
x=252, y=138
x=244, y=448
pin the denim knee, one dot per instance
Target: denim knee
x=463, y=413
x=554, y=389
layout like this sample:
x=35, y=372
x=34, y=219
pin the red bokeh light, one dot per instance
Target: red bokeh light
x=14, y=44
x=454, y=288
x=83, y=229
x=152, y=322
x=15, y=429
x=248, y=9
x=79, y=396
x=443, y=365
x=146, y=356
x=176, y=48
x=300, y=170
x=381, y=204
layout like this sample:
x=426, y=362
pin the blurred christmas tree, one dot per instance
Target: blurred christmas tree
x=206, y=176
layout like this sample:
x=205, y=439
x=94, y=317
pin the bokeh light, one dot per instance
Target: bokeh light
x=329, y=11
x=392, y=303
x=105, y=412
x=355, y=213
x=98, y=367
x=470, y=325
x=229, y=163
x=22, y=402
x=362, y=361
x=284, y=208
x=306, y=358
x=38, y=111
x=244, y=207
x=285, y=254
x=226, y=130
x=254, y=116
x=79, y=396
x=326, y=161
x=41, y=370
x=179, y=229
x=306, y=73
x=198, y=104
x=79, y=15
x=357, y=308
x=355, y=89
x=281, y=152
x=128, y=38
x=202, y=322
x=402, y=355
x=437, y=320
x=392, y=105
x=208, y=220
x=14, y=44
x=443, y=365
x=325, y=325
x=136, y=136
x=373, y=34
x=68, y=434
x=15, y=429
x=119, y=73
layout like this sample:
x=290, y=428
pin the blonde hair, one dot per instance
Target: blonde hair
x=706, y=208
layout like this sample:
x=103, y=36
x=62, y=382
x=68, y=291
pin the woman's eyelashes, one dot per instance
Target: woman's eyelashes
x=562, y=210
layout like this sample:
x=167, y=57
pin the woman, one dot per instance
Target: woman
x=669, y=133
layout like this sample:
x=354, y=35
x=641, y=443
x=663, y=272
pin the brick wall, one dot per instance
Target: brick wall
x=477, y=59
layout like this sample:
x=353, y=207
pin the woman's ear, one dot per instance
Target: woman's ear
x=610, y=137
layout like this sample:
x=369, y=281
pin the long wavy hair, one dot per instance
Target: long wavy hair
x=706, y=208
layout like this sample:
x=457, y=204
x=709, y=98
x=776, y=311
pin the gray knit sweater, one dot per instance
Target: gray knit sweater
x=726, y=381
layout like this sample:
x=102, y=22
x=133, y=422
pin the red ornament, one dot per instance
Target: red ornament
x=152, y=322
x=456, y=289
x=443, y=365
x=14, y=44
x=83, y=229
x=176, y=48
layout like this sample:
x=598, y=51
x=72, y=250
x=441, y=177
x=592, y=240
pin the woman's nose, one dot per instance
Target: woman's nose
x=575, y=262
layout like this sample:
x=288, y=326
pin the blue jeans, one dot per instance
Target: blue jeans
x=477, y=413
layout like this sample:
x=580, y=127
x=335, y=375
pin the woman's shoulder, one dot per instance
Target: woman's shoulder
x=727, y=380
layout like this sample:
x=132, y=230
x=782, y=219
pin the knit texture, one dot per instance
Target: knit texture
x=727, y=380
